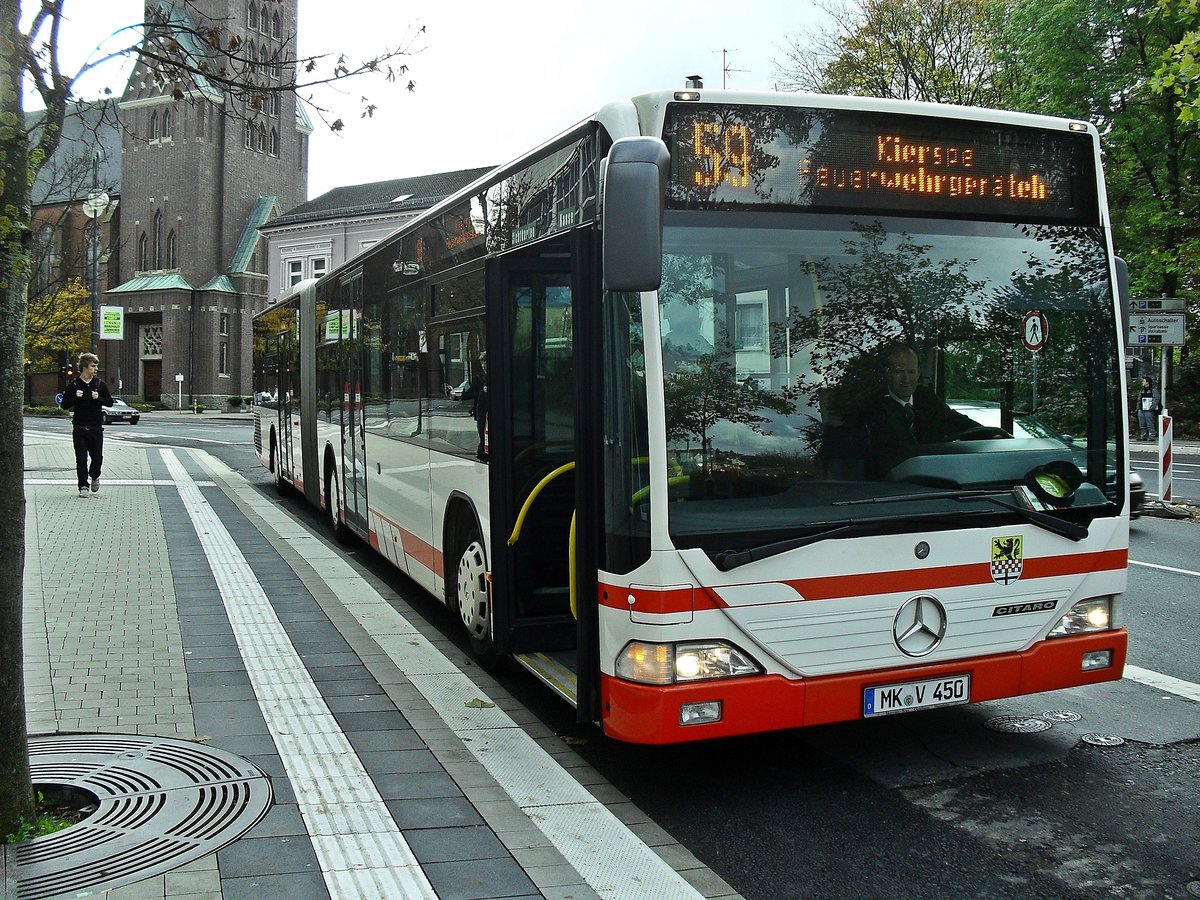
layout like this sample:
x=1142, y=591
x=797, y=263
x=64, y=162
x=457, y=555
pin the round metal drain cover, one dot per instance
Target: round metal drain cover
x=1017, y=724
x=1102, y=740
x=163, y=803
x=1061, y=715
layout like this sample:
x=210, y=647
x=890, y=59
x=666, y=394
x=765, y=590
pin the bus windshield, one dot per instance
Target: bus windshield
x=787, y=339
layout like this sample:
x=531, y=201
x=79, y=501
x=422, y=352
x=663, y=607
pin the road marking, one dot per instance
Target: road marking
x=361, y=850
x=1162, y=682
x=1146, y=565
x=117, y=482
x=615, y=862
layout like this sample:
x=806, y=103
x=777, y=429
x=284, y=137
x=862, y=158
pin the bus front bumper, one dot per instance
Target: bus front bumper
x=651, y=714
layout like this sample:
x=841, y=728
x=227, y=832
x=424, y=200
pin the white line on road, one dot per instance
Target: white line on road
x=1162, y=682
x=611, y=858
x=361, y=851
x=1146, y=565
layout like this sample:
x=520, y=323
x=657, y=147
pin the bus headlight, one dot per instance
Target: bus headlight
x=649, y=663
x=1093, y=614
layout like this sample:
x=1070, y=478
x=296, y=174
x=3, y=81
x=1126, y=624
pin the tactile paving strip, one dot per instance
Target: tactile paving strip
x=163, y=803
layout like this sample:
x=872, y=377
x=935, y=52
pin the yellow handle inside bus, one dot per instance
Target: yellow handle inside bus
x=525, y=507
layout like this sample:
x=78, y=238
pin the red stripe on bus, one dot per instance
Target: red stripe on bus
x=648, y=600
x=419, y=549
x=833, y=587
x=646, y=714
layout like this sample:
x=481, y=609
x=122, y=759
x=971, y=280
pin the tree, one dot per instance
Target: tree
x=182, y=56
x=59, y=320
x=1095, y=60
x=943, y=51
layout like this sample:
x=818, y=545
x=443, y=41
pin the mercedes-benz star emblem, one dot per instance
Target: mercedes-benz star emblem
x=919, y=626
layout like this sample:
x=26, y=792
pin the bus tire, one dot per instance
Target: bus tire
x=470, y=598
x=340, y=532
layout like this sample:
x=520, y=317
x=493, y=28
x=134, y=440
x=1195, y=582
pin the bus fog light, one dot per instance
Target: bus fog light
x=1093, y=614
x=1096, y=659
x=699, y=713
x=646, y=663
x=701, y=660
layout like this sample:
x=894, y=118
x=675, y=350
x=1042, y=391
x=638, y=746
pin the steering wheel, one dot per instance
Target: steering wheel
x=979, y=433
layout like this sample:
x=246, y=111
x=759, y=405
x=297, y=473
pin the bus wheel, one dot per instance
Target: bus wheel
x=471, y=599
x=340, y=532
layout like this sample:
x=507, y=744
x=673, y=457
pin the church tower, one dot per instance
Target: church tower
x=206, y=159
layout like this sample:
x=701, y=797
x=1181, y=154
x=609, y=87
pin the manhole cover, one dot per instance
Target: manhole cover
x=1017, y=724
x=1061, y=715
x=1102, y=740
x=163, y=803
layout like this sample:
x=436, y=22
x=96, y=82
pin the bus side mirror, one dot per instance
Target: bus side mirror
x=1123, y=297
x=635, y=184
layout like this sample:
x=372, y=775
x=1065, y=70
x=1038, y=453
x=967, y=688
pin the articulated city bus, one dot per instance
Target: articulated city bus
x=703, y=411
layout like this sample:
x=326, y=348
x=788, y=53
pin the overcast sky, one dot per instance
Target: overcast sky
x=495, y=78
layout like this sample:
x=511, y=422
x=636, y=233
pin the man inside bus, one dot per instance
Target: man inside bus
x=907, y=415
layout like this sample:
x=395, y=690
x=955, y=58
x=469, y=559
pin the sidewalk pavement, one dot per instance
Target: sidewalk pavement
x=180, y=611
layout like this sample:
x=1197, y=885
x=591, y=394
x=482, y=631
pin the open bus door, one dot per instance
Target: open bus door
x=286, y=399
x=354, y=438
x=543, y=421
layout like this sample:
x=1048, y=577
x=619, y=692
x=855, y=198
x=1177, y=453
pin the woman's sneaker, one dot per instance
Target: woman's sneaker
x=83, y=493
x=95, y=485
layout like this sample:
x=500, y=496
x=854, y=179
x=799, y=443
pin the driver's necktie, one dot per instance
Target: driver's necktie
x=909, y=418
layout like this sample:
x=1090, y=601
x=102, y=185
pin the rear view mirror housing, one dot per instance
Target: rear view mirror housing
x=635, y=184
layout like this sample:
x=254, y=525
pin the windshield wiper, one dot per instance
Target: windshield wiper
x=1071, y=530
x=731, y=559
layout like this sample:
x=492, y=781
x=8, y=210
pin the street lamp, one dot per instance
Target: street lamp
x=93, y=207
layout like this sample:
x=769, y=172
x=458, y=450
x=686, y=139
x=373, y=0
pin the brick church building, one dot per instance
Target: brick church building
x=201, y=171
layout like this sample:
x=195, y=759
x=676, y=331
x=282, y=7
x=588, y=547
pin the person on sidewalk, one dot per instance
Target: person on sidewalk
x=86, y=394
x=1148, y=410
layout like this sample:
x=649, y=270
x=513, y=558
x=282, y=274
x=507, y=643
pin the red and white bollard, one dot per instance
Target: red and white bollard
x=1164, y=456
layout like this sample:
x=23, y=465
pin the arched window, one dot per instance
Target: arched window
x=143, y=253
x=275, y=30
x=262, y=139
x=272, y=104
x=172, y=254
x=166, y=124
x=252, y=16
x=264, y=60
x=158, y=240
x=248, y=140
x=154, y=132
x=251, y=57
x=273, y=143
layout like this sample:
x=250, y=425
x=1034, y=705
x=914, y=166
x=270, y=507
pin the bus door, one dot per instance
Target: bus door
x=354, y=437
x=535, y=424
x=286, y=399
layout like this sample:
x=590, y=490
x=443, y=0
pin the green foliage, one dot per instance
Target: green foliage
x=40, y=825
x=45, y=411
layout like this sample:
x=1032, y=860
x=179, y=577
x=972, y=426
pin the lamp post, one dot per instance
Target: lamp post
x=93, y=207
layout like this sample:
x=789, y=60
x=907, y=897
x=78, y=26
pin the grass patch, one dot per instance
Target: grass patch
x=66, y=806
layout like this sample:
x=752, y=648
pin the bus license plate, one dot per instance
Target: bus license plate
x=898, y=698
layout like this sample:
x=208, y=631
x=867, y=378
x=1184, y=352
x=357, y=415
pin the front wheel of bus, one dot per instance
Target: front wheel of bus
x=472, y=601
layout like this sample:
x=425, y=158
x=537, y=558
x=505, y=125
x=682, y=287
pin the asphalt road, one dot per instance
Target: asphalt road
x=934, y=804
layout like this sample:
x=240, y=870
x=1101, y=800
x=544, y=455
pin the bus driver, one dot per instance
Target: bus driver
x=907, y=415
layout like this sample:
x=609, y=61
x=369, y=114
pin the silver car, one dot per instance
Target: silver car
x=120, y=411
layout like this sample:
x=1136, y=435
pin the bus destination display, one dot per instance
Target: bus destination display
x=785, y=157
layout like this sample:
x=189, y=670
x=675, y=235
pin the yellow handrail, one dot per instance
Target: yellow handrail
x=516, y=532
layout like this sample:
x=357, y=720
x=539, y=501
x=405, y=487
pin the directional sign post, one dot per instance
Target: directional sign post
x=1160, y=323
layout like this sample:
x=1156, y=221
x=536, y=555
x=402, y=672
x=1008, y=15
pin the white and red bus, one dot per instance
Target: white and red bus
x=621, y=405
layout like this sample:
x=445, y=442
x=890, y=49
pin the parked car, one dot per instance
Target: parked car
x=1026, y=425
x=121, y=411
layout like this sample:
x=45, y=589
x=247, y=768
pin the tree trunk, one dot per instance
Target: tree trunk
x=16, y=793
